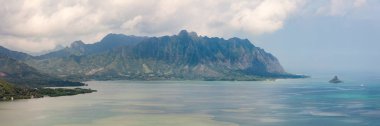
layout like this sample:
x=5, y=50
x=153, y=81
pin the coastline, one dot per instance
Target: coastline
x=9, y=92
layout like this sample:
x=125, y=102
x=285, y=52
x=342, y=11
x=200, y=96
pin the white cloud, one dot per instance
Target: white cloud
x=266, y=16
x=130, y=25
x=26, y=22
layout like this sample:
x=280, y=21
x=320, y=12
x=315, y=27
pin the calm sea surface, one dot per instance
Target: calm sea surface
x=292, y=102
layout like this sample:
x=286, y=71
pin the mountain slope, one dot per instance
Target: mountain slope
x=183, y=56
x=78, y=48
x=19, y=73
x=14, y=54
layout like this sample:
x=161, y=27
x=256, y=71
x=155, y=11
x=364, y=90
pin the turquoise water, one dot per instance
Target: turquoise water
x=293, y=102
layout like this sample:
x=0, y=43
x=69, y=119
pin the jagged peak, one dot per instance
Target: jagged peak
x=186, y=33
x=113, y=36
x=183, y=32
x=238, y=39
x=235, y=39
x=193, y=34
x=242, y=41
x=77, y=43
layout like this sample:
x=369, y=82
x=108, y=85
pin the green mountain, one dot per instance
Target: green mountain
x=19, y=73
x=185, y=56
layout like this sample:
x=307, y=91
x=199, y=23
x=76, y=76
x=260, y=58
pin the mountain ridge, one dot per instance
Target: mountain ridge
x=185, y=56
x=17, y=72
x=79, y=48
x=14, y=54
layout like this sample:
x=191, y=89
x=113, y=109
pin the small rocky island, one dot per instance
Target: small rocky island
x=335, y=80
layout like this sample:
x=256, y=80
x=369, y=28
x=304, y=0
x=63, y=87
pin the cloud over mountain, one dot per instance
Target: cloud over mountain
x=37, y=25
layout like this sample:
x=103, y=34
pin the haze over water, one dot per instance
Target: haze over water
x=293, y=102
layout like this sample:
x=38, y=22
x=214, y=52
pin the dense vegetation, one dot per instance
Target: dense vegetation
x=55, y=92
x=9, y=92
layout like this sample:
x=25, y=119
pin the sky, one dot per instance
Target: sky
x=305, y=35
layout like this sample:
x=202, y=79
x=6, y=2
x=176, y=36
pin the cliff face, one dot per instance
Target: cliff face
x=182, y=56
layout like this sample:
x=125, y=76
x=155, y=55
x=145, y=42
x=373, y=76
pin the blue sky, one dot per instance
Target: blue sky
x=349, y=42
x=307, y=36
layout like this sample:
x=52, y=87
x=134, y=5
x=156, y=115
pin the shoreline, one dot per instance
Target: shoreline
x=9, y=92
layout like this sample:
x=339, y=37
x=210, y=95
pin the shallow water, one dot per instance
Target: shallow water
x=293, y=102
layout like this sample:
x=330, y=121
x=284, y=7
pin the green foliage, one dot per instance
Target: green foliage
x=9, y=91
x=63, y=91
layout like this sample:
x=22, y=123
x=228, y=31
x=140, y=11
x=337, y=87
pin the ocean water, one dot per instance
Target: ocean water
x=289, y=102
